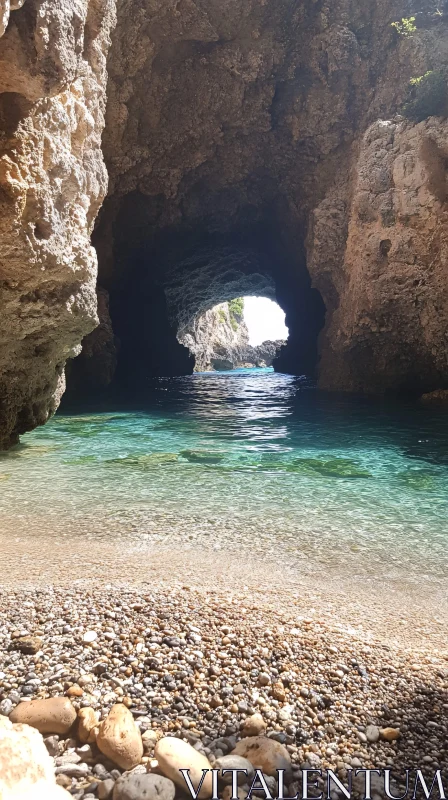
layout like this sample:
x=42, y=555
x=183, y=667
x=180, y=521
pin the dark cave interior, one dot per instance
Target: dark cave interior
x=159, y=280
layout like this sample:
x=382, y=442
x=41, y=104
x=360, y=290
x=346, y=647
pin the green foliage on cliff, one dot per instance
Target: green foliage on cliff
x=428, y=96
x=406, y=26
x=236, y=309
x=222, y=315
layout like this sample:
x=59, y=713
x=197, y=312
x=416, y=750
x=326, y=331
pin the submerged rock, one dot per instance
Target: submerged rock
x=202, y=456
x=332, y=468
x=420, y=481
x=145, y=460
x=80, y=460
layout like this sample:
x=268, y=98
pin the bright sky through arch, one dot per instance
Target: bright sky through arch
x=264, y=319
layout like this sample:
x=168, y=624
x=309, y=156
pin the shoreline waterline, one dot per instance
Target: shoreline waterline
x=377, y=610
x=231, y=480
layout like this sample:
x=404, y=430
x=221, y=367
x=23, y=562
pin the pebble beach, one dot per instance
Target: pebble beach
x=213, y=669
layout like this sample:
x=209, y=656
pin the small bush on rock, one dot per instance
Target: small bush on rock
x=236, y=306
x=236, y=309
x=428, y=97
x=405, y=27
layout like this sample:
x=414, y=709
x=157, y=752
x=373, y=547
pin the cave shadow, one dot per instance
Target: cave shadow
x=159, y=279
x=419, y=709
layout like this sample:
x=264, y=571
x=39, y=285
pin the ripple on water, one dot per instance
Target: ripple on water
x=253, y=462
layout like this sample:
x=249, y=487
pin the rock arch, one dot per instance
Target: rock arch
x=222, y=125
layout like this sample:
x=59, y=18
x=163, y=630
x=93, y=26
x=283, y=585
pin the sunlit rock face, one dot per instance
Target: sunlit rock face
x=244, y=147
x=219, y=340
x=389, y=329
x=241, y=142
x=52, y=183
x=216, y=338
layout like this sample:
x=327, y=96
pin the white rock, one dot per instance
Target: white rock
x=89, y=636
x=26, y=768
x=119, y=738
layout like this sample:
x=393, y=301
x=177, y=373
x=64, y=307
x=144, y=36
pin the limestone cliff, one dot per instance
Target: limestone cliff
x=219, y=340
x=52, y=183
x=264, y=354
x=252, y=148
x=216, y=338
x=389, y=328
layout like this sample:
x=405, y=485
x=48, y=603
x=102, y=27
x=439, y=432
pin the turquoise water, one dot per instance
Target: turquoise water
x=249, y=462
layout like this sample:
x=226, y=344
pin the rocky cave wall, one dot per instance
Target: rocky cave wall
x=52, y=183
x=390, y=326
x=243, y=129
x=253, y=141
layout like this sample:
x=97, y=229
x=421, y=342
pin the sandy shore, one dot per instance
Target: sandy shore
x=409, y=615
x=194, y=642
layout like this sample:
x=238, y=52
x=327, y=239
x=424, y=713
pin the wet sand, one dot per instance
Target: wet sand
x=412, y=617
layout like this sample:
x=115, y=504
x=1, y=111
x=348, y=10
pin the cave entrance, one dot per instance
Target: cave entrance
x=242, y=333
x=166, y=276
x=157, y=279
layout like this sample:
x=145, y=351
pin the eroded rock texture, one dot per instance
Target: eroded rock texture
x=6, y=6
x=52, y=182
x=219, y=340
x=216, y=339
x=245, y=156
x=390, y=327
x=26, y=769
x=237, y=149
x=93, y=371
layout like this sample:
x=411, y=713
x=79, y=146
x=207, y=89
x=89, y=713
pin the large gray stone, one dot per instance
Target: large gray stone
x=235, y=762
x=264, y=753
x=144, y=787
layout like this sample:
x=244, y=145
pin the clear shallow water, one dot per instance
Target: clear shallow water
x=251, y=463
